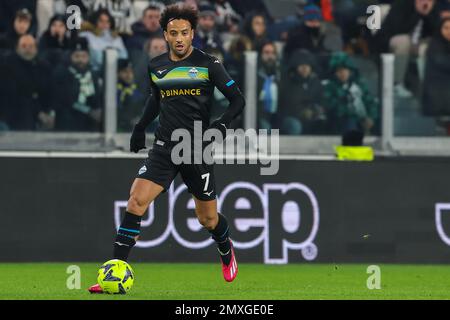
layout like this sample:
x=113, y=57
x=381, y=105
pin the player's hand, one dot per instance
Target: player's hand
x=137, y=141
x=219, y=126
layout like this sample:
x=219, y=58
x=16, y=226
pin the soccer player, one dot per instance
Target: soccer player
x=182, y=82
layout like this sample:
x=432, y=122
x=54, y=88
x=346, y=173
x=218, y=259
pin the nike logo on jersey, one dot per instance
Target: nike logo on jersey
x=161, y=71
x=208, y=193
x=216, y=61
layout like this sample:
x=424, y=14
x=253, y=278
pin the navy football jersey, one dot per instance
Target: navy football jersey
x=184, y=91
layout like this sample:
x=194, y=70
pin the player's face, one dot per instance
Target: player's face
x=179, y=36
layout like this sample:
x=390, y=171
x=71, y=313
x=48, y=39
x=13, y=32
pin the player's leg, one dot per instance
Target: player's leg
x=142, y=193
x=154, y=176
x=200, y=181
x=217, y=226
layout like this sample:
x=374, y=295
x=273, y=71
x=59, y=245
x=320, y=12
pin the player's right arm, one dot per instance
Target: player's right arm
x=151, y=111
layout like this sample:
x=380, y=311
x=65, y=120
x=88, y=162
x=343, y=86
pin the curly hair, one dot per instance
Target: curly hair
x=179, y=11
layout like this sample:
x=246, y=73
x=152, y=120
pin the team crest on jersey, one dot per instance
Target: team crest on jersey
x=193, y=73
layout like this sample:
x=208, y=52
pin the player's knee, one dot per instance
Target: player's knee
x=209, y=222
x=136, y=205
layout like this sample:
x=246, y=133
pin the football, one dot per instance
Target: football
x=115, y=277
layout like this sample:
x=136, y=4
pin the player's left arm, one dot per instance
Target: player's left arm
x=222, y=80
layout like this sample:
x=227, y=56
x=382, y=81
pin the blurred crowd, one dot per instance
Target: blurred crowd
x=312, y=64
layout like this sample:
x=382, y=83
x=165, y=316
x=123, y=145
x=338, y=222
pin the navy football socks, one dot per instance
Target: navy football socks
x=126, y=235
x=221, y=236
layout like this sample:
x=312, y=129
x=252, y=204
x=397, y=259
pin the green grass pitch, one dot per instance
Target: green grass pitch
x=255, y=281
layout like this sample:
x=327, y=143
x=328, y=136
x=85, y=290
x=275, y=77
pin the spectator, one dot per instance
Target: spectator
x=191, y=3
x=351, y=17
x=444, y=9
x=25, y=81
x=155, y=47
x=152, y=48
x=103, y=36
x=350, y=106
x=244, y=7
x=77, y=98
x=121, y=11
x=268, y=85
x=130, y=100
x=406, y=31
x=255, y=28
x=301, y=97
x=46, y=9
x=326, y=7
x=20, y=26
x=147, y=28
x=206, y=35
x=235, y=60
x=55, y=42
x=227, y=19
x=235, y=65
x=436, y=93
x=9, y=9
x=313, y=34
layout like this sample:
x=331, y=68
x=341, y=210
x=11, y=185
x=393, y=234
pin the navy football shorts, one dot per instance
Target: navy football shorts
x=159, y=168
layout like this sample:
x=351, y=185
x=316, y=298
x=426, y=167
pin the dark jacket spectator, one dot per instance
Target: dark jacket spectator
x=349, y=104
x=146, y=28
x=444, y=9
x=227, y=18
x=20, y=25
x=8, y=10
x=436, y=87
x=403, y=18
x=55, y=42
x=314, y=34
x=268, y=86
x=235, y=60
x=25, y=82
x=130, y=100
x=244, y=7
x=255, y=28
x=77, y=96
x=405, y=32
x=301, y=96
x=206, y=35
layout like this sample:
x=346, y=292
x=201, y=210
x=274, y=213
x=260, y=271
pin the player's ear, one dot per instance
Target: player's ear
x=165, y=35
